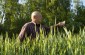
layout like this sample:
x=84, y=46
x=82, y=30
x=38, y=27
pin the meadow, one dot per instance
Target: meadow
x=66, y=43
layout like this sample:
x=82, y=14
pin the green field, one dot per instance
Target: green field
x=59, y=44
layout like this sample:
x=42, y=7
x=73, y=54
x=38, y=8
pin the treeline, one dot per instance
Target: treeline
x=15, y=14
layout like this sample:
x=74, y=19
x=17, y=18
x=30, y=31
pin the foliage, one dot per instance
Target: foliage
x=60, y=44
x=79, y=17
x=15, y=15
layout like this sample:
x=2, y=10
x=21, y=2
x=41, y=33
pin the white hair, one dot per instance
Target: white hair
x=35, y=13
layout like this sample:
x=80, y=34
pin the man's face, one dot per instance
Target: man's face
x=38, y=18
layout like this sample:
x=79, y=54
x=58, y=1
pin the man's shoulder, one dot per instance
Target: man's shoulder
x=28, y=24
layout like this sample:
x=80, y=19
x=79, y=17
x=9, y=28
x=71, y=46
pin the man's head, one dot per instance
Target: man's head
x=36, y=17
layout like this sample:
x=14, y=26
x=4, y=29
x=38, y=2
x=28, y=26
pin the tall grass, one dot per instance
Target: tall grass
x=59, y=44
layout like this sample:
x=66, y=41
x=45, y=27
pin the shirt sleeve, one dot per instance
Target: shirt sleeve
x=47, y=30
x=22, y=32
x=51, y=29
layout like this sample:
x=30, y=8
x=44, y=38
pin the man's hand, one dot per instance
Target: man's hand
x=61, y=24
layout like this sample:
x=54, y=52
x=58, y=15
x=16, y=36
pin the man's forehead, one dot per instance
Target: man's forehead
x=36, y=13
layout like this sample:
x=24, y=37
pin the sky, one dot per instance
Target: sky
x=83, y=2
x=23, y=1
x=72, y=4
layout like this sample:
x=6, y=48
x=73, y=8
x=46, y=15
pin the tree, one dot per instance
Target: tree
x=53, y=11
x=78, y=15
x=15, y=16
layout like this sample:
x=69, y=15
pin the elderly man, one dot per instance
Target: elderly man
x=33, y=27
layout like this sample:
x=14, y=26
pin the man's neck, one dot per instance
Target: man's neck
x=35, y=22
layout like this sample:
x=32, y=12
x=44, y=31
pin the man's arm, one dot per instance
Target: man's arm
x=22, y=32
x=51, y=28
x=60, y=24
